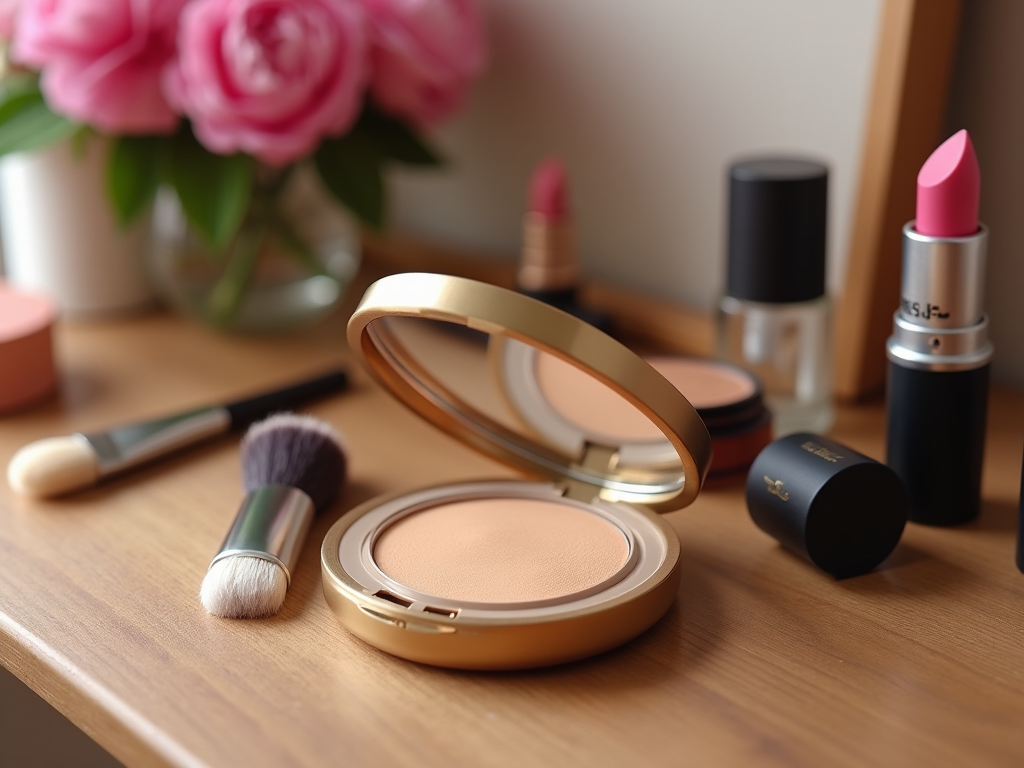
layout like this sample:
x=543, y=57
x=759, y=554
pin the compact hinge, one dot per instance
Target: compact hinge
x=596, y=460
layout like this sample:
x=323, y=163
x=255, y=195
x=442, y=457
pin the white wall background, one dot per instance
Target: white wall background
x=648, y=101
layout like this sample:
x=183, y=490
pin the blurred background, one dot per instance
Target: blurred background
x=648, y=102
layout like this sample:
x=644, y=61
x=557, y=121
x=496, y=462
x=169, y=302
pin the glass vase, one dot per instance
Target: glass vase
x=286, y=268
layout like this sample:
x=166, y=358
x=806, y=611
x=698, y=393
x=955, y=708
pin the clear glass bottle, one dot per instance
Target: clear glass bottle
x=774, y=319
x=787, y=347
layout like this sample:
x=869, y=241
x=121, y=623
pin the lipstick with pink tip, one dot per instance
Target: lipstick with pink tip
x=549, y=269
x=939, y=352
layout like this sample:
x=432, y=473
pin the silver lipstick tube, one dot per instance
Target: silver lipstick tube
x=939, y=359
x=941, y=323
x=943, y=281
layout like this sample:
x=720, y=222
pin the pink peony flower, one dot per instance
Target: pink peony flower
x=269, y=77
x=101, y=59
x=8, y=10
x=424, y=53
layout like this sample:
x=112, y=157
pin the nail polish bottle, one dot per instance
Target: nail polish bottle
x=774, y=319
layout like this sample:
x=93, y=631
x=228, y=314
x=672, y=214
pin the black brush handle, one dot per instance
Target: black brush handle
x=1020, y=525
x=244, y=412
x=936, y=440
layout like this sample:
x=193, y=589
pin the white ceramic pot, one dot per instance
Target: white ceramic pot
x=60, y=236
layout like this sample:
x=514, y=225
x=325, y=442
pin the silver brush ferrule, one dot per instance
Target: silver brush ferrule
x=124, y=447
x=941, y=323
x=272, y=525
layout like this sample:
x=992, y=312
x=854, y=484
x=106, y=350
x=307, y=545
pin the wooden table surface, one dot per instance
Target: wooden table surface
x=762, y=661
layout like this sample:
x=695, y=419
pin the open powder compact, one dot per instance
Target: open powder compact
x=509, y=574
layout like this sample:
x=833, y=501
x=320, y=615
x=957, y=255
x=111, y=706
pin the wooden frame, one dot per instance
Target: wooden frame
x=913, y=67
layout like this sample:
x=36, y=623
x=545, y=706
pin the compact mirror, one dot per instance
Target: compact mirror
x=507, y=574
x=533, y=387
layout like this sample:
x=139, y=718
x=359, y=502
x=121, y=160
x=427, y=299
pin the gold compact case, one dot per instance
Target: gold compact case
x=510, y=574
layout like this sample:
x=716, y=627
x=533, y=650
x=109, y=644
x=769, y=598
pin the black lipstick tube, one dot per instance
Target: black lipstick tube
x=939, y=359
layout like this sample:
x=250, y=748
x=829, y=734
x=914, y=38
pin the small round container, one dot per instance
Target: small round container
x=566, y=407
x=837, y=508
x=28, y=374
x=509, y=574
x=731, y=404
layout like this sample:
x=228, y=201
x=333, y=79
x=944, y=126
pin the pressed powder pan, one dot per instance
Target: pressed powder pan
x=508, y=574
x=503, y=551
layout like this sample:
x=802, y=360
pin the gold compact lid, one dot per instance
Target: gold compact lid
x=426, y=337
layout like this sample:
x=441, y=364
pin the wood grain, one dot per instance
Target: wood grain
x=913, y=65
x=762, y=662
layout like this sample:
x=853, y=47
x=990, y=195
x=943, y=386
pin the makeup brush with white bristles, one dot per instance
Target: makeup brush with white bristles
x=293, y=468
x=57, y=465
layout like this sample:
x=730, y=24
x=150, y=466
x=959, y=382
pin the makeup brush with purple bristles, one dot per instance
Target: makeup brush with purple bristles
x=293, y=468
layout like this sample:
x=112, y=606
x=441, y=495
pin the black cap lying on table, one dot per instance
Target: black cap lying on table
x=833, y=506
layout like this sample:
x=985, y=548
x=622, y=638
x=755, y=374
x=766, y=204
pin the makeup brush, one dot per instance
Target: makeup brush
x=292, y=469
x=56, y=465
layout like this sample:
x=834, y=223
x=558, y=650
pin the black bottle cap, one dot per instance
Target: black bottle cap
x=828, y=503
x=777, y=214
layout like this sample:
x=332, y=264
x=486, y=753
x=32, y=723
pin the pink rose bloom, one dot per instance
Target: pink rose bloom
x=101, y=59
x=269, y=77
x=424, y=54
x=8, y=10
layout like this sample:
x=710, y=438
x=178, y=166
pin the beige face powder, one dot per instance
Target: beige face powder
x=705, y=383
x=591, y=405
x=501, y=550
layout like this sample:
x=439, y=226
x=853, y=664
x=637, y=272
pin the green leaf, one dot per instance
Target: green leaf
x=133, y=174
x=396, y=140
x=26, y=122
x=296, y=245
x=214, y=190
x=226, y=297
x=80, y=140
x=15, y=83
x=15, y=102
x=351, y=169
